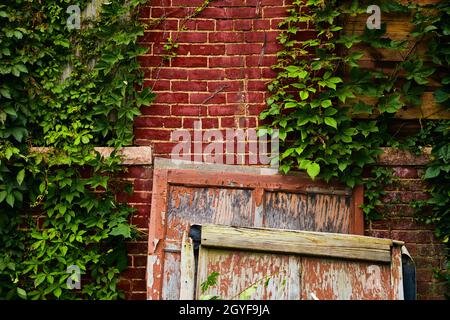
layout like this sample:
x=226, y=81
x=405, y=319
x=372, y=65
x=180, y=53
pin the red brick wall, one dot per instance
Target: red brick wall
x=222, y=69
x=399, y=223
x=220, y=76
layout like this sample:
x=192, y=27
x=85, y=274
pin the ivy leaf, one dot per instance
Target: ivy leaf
x=330, y=122
x=391, y=104
x=313, y=169
x=10, y=200
x=21, y=293
x=39, y=279
x=441, y=96
x=20, y=176
x=362, y=107
x=121, y=230
x=304, y=95
x=432, y=172
x=326, y=103
x=2, y=195
x=57, y=292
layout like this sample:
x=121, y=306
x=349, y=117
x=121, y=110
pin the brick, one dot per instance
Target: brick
x=225, y=86
x=157, y=122
x=228, y=122
x=406, y=172
x=188, y=110
x=207, y=98
x=154, y=109
x=189, y=62
x=403, y=197
x=413, y=236
x=241, y=13
x=224, y=110
x=257, y=85
x=190, y=37
x=135, y=197
x=137, y=247
x=267, y=36
x=139, y=285
x=243, y=73
x=140, y=261
x=207, y=123
x=226, y=37
x=206, y=74
x=213, y=13
x=189, y=86
x=266, y=60
x=224, y=25
x=172, y=97
x=172, y=73
x=137, y=172
x=142, y=209
x=137, y=296
x=226, y=62
x=158, y=85
x=149, y=61
x=159, y=12
x=140, y=222
x=274, y=12
x=243, y=48
x=202, y=49
x=152, y=134
x=143, y=184
x=243, y=25
x=163, y=147
x=124, y=285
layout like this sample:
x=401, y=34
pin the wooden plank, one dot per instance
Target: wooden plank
x=239, y=270
x=298, y=242
x=187, y=269
x=333, y=279
x=157, y=233
x=396, y=275
x=295, y=183
x=129, y=155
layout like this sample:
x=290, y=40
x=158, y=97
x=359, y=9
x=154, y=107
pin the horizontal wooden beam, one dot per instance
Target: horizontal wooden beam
x=298, y=242
x=130, y=155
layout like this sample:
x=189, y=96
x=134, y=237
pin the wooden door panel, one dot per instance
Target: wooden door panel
x=309, y=266
x=274, y=276
x=241, y=197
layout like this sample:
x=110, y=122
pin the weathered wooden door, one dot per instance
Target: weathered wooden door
x=280, y=264
x=236, y=196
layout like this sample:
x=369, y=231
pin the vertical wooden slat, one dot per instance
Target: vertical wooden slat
x=157, y=231
x=397, y=274
x=187, y=284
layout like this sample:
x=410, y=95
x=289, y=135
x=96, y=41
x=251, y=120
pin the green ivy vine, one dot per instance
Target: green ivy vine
x=68, y=90
x=333, y=112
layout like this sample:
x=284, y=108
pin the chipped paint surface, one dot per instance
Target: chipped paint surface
x=171, y=278
x=314, y=212
x=332, y=279
x=182, y=198
x=240, y=270
x=189, y=206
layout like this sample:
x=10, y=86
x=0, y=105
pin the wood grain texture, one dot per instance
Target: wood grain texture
x=332, y=279
x=187, y=269
x=298, y=242
x=239, y=270
x=182, y=198
x=318, y=212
